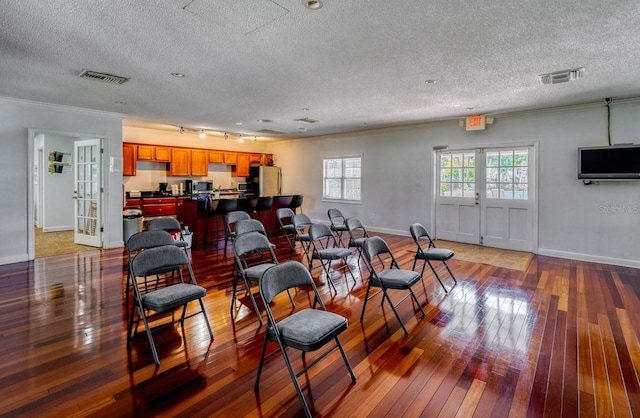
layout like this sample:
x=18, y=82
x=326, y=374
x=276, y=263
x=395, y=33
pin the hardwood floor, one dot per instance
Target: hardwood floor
x=561, y=338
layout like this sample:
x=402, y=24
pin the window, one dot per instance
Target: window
x=342, y=178
x=508, y=174
x=458, y=174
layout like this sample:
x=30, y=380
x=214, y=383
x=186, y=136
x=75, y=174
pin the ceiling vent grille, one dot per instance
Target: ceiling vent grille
x=561, y=76
x=306, y=120
x=107, y=78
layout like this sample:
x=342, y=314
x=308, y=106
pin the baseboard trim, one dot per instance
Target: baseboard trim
x=590, y=258
x=19, y=258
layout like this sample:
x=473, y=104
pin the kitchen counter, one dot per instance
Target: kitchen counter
x=195, y=214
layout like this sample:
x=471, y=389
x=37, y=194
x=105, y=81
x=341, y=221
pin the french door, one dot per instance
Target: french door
x=87, y=192
x=486, y=196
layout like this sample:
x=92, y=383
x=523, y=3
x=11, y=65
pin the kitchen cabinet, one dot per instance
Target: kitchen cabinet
x=153, y=153
x=129, y=159
x=216, y=157
x=230, y=158
x=266, y=159
x=255, y=158
x=199, y=162
x=180, y=162
x=133, y=204
x=242, y=166
x=163, y=154
x=159, y=206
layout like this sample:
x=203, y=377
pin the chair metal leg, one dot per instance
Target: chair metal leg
x=436, y=274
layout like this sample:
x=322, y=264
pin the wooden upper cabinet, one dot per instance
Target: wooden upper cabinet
x=146, y=152
x=255, y=158
x=129, y=159
x=180, y=162
x=242, y=167
x=266, y=159
x=216, y=157
x=199, y=162
x=153, y=153
x=230, y=157
x=163, y=154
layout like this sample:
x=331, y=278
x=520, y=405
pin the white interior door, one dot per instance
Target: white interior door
x=457, y=203
x=506, y=205
x=487, y=197
x=87, y=192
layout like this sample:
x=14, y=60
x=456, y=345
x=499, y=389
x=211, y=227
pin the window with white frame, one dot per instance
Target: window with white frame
x=342, y=178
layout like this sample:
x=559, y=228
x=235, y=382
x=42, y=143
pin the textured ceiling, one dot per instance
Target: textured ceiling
x=353, y=64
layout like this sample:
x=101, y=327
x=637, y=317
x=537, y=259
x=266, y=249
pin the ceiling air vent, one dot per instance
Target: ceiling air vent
x=107, y=78
x=561, y=76
x=306, y=120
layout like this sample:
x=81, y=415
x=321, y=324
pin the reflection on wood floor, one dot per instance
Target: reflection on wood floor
x=561, y=338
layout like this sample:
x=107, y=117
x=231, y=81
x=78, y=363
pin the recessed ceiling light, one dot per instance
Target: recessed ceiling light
x=470, y=108
x=264, y=120
x=302, y=129
x=178, y=75
x=312, y=4
x=430, y=81
x=120, y=103
x=306, y=109
x=239, y=123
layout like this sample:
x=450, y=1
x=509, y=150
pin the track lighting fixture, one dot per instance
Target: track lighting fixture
x=202, y=134
x=240, y=138
x=181, y=130
x=226, y=136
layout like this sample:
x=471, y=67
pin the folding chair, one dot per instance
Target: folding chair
x=337, y=225
x=141, y=241
x=387, y=278
x=166, y=297
x=306, y=329
x=301, y=225
x=285, y=220
x=321, y=237
x=248, y=249
x=172, y=226
x=357, y=234
x=429, y=253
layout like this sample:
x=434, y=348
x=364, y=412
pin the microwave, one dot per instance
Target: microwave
x=244, y=187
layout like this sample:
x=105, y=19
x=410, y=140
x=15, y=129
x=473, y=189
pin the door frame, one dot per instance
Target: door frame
x=31, y=135
x=535, y=145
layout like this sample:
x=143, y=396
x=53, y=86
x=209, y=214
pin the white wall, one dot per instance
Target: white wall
x=57, y=203
x=574, y=220
x=17, y=117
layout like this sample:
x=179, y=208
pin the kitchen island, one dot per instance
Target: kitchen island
x=195, y=215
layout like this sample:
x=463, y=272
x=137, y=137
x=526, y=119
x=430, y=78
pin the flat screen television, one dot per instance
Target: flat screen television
x=616, y=162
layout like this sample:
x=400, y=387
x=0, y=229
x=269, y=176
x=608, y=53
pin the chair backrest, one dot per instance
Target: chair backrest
x=210, y=205
x=248, y=250
x=336, y=217
x=164, y=223
x=284, y=214
x=158, y=259
x=226, y=206
x=264, y=203
x=319, y=231
x=355, y=224
x=417, y=232
x=301, y=221
x=376, y=247
x=283, y=276
x=244, y=226
x=232, y=217
x=148, y=239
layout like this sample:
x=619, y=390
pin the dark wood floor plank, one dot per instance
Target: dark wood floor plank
x=561, y=338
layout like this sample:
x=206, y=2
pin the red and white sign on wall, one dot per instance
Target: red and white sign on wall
x=475, y=123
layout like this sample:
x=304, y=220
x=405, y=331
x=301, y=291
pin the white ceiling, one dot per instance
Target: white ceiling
x=353, y=64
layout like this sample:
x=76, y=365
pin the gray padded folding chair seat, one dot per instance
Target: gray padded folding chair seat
x=336, y=253
x=310, y=329
x=171, y=297
x=437, y=254
x=398, y=279
x=255, y=272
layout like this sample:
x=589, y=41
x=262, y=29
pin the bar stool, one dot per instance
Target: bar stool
x=260, y=205
x=210, y=206
x=224, y=206
x=296, y=202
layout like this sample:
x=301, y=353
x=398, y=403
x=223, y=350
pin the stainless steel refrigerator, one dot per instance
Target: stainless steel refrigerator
x=267, y=180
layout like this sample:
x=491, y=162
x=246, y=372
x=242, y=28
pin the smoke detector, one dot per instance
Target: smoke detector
x=107, y=78
x=562, y=76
